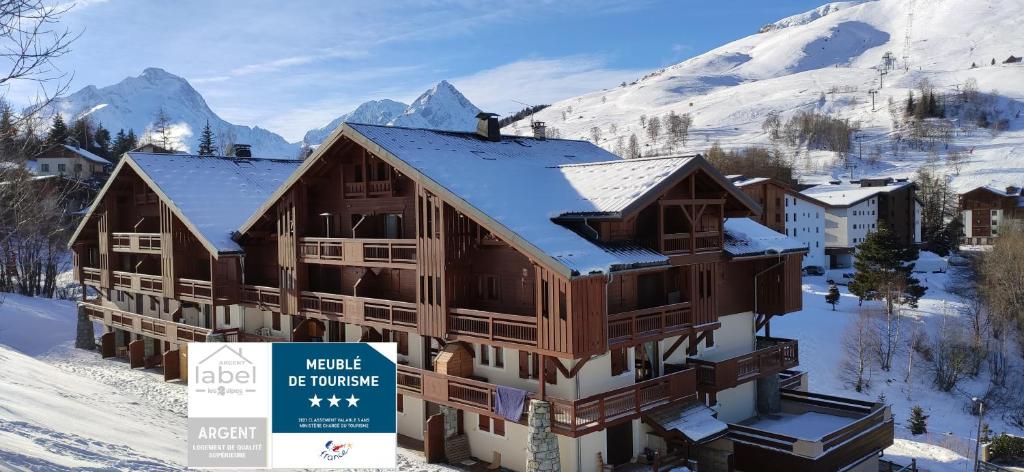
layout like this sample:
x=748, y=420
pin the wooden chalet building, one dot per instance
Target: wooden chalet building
x=623, y=297
x=986, y=209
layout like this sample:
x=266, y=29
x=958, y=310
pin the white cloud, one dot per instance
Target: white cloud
x=540, y=81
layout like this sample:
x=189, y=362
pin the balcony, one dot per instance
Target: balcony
x=139, y=283
x=164, y=330
x=719, y=371
x=496, y=328
x=812, y=432
x=144, y=243
x=266, y=298
x=692, y=243
x=193, y=290
x=374, y=188
x=392, y=253
x=637, y=326
x=91, y=276
x=359, y=310
x=571, y=418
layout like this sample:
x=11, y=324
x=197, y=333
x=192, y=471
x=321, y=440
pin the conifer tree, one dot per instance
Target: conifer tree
x=918, y=421
x=832, y=297
x=909, y=111
x=884, y=265
x=206, y=142
x=8, y=131
x=58, y=133
x=100, y=142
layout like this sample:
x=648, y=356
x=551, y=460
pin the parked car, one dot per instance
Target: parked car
x=814, y=270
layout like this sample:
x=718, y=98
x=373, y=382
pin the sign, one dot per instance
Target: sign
x=292, y=405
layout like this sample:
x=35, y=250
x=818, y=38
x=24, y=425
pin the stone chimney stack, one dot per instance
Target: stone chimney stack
x=540, y=130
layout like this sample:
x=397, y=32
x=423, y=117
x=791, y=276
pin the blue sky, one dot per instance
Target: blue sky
x=295, y=65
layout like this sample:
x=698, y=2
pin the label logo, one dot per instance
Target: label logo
x=225, y=372
x=333, y=451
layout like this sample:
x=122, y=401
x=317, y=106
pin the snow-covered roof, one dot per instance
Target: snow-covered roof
x=86, y=154
x=214, y=194
x=741, y=182
x=522, y=183
x=612, y=186
x=846, y=194
x=746, y=237
x=694, y=420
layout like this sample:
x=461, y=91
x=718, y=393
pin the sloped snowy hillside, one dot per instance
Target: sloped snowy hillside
x=134, y=103
x=827, y=60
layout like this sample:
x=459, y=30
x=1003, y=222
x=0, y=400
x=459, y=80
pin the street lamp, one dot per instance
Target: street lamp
x=977, y=441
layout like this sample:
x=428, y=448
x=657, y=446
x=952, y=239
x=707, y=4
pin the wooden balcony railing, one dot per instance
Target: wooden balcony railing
x=494, y=327
x=268, y=297
x=569, y=417
x=164, y=330
x=773, y=355
x=707, y=241
x=194, y=290
x=595, y=412
x=90, y=275
x=148, y=243
x=395, y=253
x=793, y=380
x=362, y=310
x=373, y=187
x=866, y=417
x=141, y=283
x=256, y=338
x=637, y=326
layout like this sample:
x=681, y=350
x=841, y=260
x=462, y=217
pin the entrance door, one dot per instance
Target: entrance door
x=646, y=361
x=620, y=443
x=650, y=290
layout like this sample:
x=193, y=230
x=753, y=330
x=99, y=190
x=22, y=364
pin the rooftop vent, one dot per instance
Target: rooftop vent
x=835, y=182
x=540, y=129
x=487, y=126
x=241, y=150
x=1012, y=190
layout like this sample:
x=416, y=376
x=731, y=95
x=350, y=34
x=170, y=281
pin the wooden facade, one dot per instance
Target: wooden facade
x=771, y=195
x=391, y=253
x=988, y=209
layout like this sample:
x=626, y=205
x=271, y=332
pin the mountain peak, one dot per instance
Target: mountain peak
x=440, y=107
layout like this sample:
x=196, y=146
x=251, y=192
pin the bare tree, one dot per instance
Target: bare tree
x=653, y=128
x=633, y=151
x=856, y=367
x=595, y=135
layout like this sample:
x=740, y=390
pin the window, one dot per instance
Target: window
x=620, y=359
x=44, y=167
x=499, y=357
x=529, y=365
x=494, y=426
x=400, y=403
x=153, y=306
x=227, y=315
x=488, y=287
x=485, y=355
x=275, y=322
x=78, y=168
x=61, y=167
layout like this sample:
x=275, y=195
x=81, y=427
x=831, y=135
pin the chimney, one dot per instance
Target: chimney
x=540, y=130
x=487, y=126
x=241, y=150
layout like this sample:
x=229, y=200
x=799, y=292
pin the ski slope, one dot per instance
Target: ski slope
x=827, y=60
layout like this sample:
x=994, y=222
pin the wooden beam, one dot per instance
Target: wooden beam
x=579, y=365
x=673, y=347
x=560, y=367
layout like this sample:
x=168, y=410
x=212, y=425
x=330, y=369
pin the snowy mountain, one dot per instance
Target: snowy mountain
x=135, y=101
x=826, y=61
x=441, y=107
x=373, y=112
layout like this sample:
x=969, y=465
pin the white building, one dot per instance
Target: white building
x=854, y=209
x=805, y=222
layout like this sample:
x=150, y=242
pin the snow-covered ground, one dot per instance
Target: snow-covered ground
x=825, y=61
x=63, y=409
x=820, y=332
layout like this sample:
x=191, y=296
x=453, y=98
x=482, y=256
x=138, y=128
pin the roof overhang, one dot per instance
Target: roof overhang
x=345, y=131
x=127, y=160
